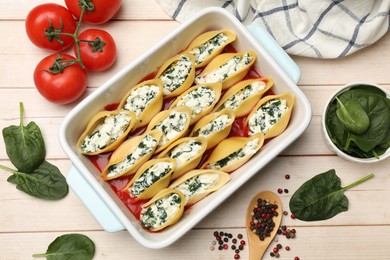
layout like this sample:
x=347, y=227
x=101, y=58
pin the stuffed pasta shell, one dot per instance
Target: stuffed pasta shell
x=232, y=153
x=163, y=210
x=177, y=74
x=271, y=115
x=131, y=154
x=243, y=96
x=106, y=131
x=227, y=68
x=197, y=184
x=187, y=152
x=150, y=178
x=201, y=99
x=145, y=100
x=214, y=127
x=173, y=124
x=209, y=44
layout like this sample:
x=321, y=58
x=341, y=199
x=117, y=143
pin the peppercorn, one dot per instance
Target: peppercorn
x=215, y=233
x=220, y=247
x=285, y=190
x=233, y=247
x=237, y=251
x=287, y=248
x=242, y=242
x=275, y=250
x=236, y=256
x=239, y=236
x=287, y=176
x=225, y=246
x=296, y=258
x=279, y=246
x=234, y=240
x=293, y=216
x=241, y=247
x=226, y=239
x=280, y=190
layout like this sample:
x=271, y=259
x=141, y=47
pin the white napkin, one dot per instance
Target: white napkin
x=313, y=28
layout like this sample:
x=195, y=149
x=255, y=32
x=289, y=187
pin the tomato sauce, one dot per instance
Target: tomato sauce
x=239, y=129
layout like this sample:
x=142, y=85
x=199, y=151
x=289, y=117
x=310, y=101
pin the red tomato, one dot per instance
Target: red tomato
x=63, y=87
x=97, y=12
x=97, y=49
x=48, y=18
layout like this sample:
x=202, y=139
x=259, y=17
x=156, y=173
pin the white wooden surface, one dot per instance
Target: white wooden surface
x=28, y=225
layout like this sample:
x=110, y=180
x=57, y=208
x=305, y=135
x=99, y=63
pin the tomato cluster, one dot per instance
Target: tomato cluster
x=59, y=77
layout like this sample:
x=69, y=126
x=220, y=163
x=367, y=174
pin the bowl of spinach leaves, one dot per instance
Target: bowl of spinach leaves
x=356, y=122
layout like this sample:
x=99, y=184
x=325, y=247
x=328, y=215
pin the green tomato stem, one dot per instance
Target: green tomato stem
x=21, y=111
x=371, y=175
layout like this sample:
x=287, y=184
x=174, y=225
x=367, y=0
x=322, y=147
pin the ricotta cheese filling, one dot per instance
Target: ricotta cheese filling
x=204, y=50
x=171, y=126
x=232, y=66
x=106, y=133
x=267, y=116
x=140, y=98
x=238, y=98
x=198, y=99
x=248, y=150
x=161, y=211
x=216, y=125
x=145, y=147
x=176, y=74
x=149, y=177
x=198, y=184
x=185, y=152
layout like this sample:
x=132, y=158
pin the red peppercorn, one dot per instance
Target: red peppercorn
x=275, y=250
x=296, y=258
x=280, y=190
x=293, y=230
x=293, y=216
x=287, y=248
x=236, y=256
x=225, y=246
x=242, y=242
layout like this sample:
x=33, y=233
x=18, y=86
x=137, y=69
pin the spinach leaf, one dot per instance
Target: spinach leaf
x=24, y=145
x=321, y=197
x=45, y=182
x=353, y=116
x=372, y=142
x=70, y=247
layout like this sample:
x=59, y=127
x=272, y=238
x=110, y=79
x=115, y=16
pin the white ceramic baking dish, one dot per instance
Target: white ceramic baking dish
x=98, y=196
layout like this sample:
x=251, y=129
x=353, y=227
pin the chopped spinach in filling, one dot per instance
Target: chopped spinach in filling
x=198, y=184
x=204, y=50
x=216, y=125
x=140, y=98
x=267, y=116
x=161, y=211
x=176, y=74
x=198, y=99
x=106, y=133
x=232, y=66
x=171, y=126
x=145, y=147
x=238, y=98
x=248, y=149
x=149, y=177
x=185, y=152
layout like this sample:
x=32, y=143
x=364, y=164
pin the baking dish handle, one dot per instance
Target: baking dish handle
x=275, y=50
x=93, y=202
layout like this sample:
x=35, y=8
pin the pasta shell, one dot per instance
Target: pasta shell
x=201, y=99
x=227, y=68
x=232, y=153
x=209, y=44
x=131, y=154
x=177, y=74
x=106, y=131
x=150, y=178
x=152, y=211
x=187, y=152
x=145, y=100
x=197, y=184
x=214, y=127
x=260, y=119
x=243, y=96
x=173, y=123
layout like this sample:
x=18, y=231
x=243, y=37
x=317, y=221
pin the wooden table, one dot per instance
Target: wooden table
x=28, y=225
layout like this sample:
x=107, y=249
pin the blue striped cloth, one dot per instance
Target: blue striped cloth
x=313, y=28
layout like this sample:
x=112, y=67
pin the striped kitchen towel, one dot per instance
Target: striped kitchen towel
x=313, y=28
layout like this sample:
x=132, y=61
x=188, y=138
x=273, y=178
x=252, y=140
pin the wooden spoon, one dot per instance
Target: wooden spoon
x=257, y=247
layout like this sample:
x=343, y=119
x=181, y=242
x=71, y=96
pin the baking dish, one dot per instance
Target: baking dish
x=97, y=195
